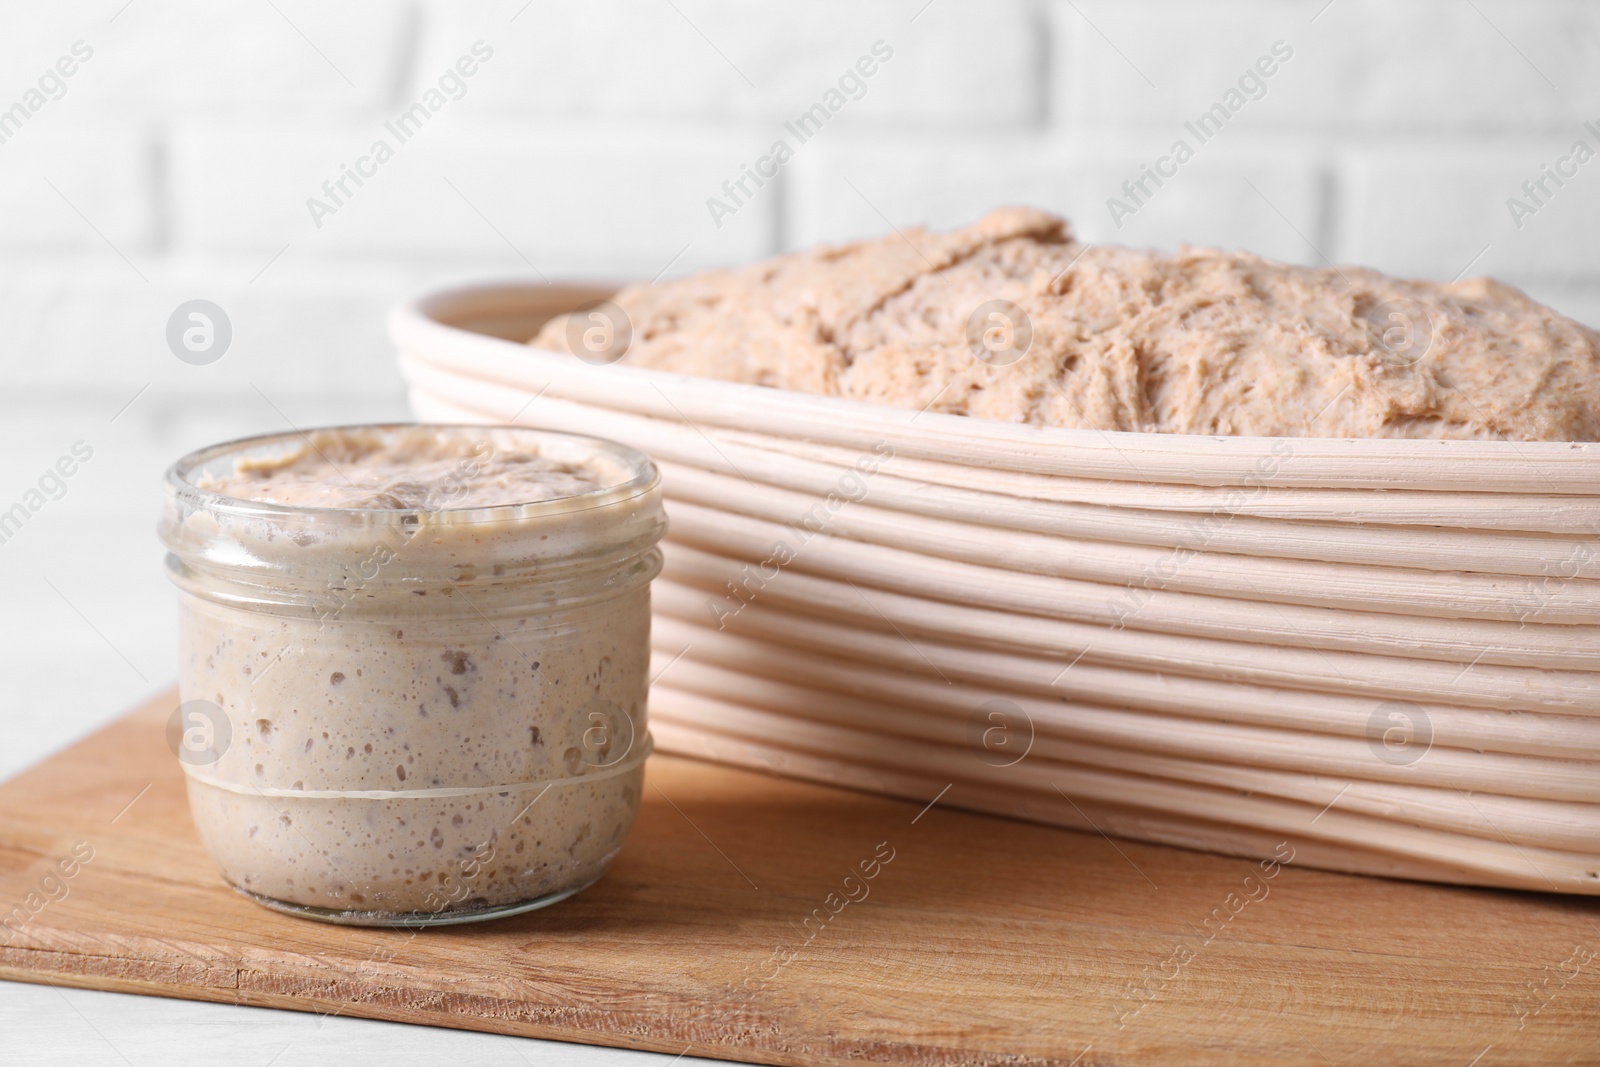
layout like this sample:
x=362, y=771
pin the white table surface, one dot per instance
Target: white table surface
x=88, y=631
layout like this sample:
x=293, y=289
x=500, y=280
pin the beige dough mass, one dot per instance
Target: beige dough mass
x=424, y=713
x=1200, y=341
x=416, y=468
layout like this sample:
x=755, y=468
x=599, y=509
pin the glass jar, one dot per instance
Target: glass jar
x=414, y=715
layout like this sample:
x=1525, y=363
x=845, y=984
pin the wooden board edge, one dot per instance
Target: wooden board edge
x=95, y=973
x=103, y=982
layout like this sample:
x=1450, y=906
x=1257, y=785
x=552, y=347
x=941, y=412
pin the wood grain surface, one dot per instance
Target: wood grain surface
x=727, y=929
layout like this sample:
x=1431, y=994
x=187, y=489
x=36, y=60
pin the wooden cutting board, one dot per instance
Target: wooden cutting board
x=980, y=941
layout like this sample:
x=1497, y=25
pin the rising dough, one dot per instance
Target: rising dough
x=1200, y=341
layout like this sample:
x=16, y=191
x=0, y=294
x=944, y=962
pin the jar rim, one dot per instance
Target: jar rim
x=643, y=476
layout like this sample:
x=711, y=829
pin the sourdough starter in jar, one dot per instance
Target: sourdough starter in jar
x=424, y=653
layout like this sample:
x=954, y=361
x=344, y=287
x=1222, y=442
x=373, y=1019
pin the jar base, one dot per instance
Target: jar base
x=411, y=920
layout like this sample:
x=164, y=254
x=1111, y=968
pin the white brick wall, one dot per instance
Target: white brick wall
x=588, y=145
x=1211, y=203
x=51, y=173
x=181, y=155
x=160, y=57
x=960, y=63
x=1361, y=67
x=558, y=198
x=1419, y=209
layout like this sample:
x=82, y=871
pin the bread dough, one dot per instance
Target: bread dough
x=1200, y=341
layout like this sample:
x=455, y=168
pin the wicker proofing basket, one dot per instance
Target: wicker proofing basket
x=1381, y=652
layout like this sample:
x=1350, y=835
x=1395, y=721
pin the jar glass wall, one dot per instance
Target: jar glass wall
x=417, y=714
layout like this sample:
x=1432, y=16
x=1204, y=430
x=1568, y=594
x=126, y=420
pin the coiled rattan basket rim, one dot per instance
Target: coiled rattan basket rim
x=469, y=328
